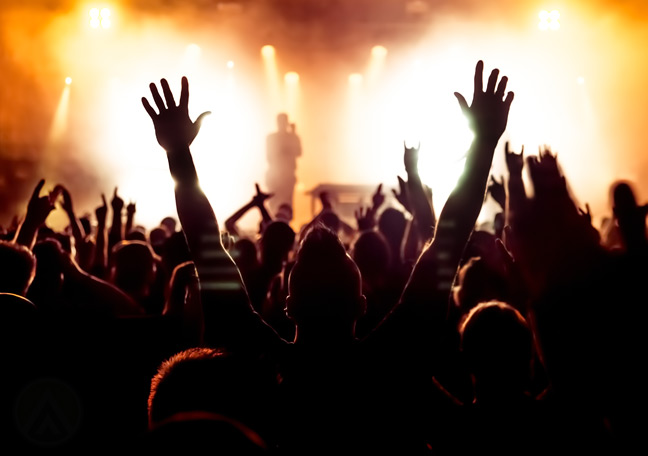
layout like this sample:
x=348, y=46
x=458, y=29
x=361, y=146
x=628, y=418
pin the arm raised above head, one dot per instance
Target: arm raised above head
x=229, y=317
x=431, y=280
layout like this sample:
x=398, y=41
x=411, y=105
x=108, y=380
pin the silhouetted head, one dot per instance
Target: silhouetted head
x=391, y=224
x=18, y=317
x=133, y=265
x=48, y=281
x=211, y=384
x=138, y=233
x=169, y=223
x=477, y=283
x=623, y=197
x=158, y=237
x=372, y=255
x=277, y=241
x=17, y=268
x=282, y=121
x=497, y=345
x=325, y=286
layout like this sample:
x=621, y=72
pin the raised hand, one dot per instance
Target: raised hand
x=377, y=199
x=173, y=127
x=102, y=211
x=586, y=214
x=402, y=195
x=67, y=199
x=497, y=191
x=39, y=207
x=365, y=218
x=488, y=112
x=514, y=162
x=116, y=203
x=260, y=197
x=131, y=208
x=410, y=157
x=545, y=173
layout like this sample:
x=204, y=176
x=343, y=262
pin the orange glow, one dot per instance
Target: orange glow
x=580, y=89
x=268, y=51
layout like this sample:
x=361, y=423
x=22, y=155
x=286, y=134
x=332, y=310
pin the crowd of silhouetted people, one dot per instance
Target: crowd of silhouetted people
x=413, y=332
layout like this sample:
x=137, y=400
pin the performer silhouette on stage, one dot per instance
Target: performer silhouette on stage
x=283, y=147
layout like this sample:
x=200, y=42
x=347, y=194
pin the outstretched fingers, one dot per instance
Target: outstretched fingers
x=492, y=80
x=463, y=104
x=149, y=109
x=501, y=88
x=200, y=118
x=479, y=77
x=184, y=93
x=156, y=97
x=168, y=95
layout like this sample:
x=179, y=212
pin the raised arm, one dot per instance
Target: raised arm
x=38, y=209
x=433, y=275
x=130, y=217
x=68, y=207
x=258, y=201
x=516, y=192
x=222, y=289
x=116, y=232
x=100, y=260
x=423, y=211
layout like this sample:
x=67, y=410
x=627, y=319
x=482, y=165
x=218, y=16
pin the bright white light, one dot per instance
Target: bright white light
x=94, y=13
x=94, y=23
x=68, y=80
x=355, y=79
x=230, y=64
x=267, y=51
x=193, y=51
x=105, y=13
x=379, y=52
x=291, y=77
x=549, y=20
x=580, y=80
x=105, y=23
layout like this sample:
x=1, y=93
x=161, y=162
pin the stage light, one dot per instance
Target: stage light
x=230, y=64
x=549, y=20
x=100, y=18
x=379, y=52
x=580, y=80
x=291, y=77
x=268, y=51
x=355, y=79
x=68, y=80
x=193, y=51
